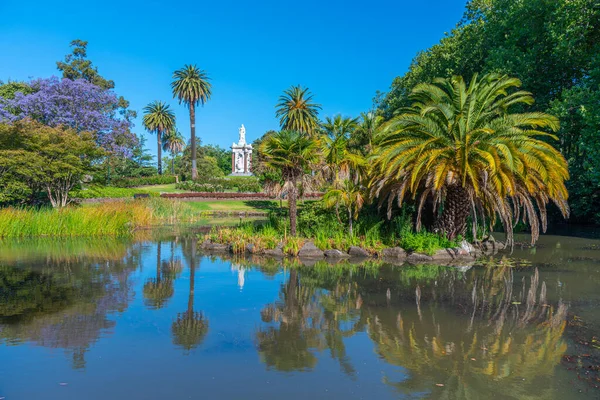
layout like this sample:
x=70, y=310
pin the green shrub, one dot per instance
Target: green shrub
x=246, y=184
x=99, y=192
x=144, y=181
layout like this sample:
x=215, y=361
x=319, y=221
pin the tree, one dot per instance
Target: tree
x=160, y=119
x=336, y=150
x=174, y=144
x=553, y=47
x=77, y=66
x=362, y=137
x=297, y=111
x=460, y=146
x=35, y=158
x=157, y=291
x=349, y=195
x=192, y=87
x=79, y=105
x=190, y=327
x=293, y=153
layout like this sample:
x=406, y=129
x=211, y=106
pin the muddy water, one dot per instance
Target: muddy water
x=98, y=319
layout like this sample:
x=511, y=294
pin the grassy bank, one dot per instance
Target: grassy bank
x=120, y=218
x=322, y=227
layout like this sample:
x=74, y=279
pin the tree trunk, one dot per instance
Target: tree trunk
x=293, y=193
x=453, y=221
x=173, y=165
x=159, y=151
x=158, y=260
x=193, y=138
x=350, y=220
x=190, y=309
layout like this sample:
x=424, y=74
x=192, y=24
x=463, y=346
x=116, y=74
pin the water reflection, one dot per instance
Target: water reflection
x=431, y=331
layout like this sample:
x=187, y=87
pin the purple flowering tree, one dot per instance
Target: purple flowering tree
x=77, y=104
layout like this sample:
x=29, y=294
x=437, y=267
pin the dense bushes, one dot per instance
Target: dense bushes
x=99, y=192
x=234, y=183
x=328, y=232
x=144, y=181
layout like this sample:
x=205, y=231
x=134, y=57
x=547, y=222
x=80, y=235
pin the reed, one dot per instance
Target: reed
x=120, y=218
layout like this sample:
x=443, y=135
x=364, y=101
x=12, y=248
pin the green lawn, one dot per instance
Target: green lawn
x=235, y=205
x=169, y=188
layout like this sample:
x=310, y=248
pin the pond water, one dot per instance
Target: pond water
x=154, y=318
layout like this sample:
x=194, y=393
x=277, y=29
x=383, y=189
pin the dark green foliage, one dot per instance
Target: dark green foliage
x=241, y=184
x=144, y=181
x=553, y=47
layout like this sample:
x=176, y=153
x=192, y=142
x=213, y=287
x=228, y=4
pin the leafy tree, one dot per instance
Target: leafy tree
x=362, y=137
x=35, y=158
x=294, y=154
x=159, y=119
x=192, y=87
x=220, y=154
x=459, y=145
x=79, y=105
x=297, y=111
x=174, y=144
x=553, y=47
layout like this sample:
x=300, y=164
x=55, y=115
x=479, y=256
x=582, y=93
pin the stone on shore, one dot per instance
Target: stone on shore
x=216, y=247
x=309, y=250
x=356, y=251
x=334, y=253
x=418, y=257
x=394, y=252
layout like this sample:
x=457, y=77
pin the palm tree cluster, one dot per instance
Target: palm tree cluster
x=192, y=87
x=459, y=151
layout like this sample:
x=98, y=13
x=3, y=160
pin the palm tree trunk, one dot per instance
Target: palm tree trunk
x=159, y=151
x=453, y=221
x=293, y=194
x=193, y=138
x=350, y=220
x=190, y=309
x=158, y=257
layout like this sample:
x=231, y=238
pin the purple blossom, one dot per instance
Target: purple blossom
x=77, y=104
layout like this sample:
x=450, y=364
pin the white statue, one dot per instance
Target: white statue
x=242, y=135
x=239, y=162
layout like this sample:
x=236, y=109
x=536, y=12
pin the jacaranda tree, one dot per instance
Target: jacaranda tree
x=77, y=104
x=459, y=145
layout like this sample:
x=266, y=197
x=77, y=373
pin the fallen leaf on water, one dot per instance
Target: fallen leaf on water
x=439, y=384
x=516, y=302
x=472, y=359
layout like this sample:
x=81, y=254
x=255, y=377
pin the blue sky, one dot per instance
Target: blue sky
x=344, y=51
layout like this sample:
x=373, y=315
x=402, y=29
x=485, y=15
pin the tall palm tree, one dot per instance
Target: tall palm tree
x=293, y=153
x=158, y=118
x=297, y=111
x=190, y=327
x=349, y=195
x=192, y=87
x=459, y=145
x=173, y=143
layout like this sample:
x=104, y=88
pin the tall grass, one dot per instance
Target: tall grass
x=108, y=219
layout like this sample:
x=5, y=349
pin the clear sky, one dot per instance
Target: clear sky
x=344, y=51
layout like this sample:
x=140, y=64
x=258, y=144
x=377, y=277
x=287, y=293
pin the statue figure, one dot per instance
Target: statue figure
x=239, y=162
x=242, y=135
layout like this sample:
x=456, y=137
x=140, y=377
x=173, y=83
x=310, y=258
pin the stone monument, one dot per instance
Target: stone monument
x=241, y=155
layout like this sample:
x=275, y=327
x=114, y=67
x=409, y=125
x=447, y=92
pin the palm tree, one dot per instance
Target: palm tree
x=459, y=145
x=158, y=290
x=349, y=195
x=190, y=327
x=192, y=87
x=337, y=154
x=158, y=118
x=174, y=144
x=293, y=153
x=362, y=137
x=296, y=110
